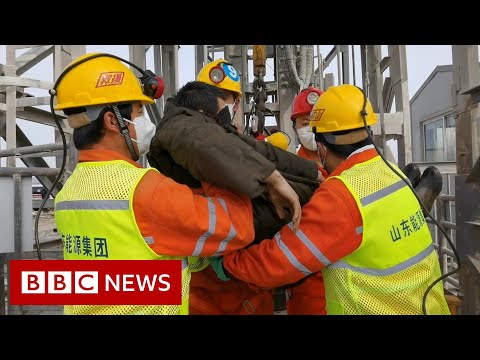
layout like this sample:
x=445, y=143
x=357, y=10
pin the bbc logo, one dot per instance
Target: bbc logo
x=59, y=282
x=96, y=282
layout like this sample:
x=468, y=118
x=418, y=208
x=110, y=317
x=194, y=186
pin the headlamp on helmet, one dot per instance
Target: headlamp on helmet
x=312, y=97
x=217, y=74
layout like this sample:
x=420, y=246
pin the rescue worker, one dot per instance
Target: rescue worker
x=301, y=108
x=363, y=228
x=230, y=159
x=139, y=213
x=308, y=297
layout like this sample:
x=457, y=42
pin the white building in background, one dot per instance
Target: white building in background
x=433, y=133
x=433, y=123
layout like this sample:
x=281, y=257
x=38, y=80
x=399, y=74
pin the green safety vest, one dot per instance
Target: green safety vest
x=396, y=261
x=94, y=214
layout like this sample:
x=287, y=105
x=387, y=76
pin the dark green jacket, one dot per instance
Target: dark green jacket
x=190, y=147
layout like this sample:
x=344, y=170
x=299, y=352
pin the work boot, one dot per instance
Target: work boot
x=429, y=186
x=413, y=173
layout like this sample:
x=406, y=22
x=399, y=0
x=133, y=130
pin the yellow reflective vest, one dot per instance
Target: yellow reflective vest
x=94, y=215
x=396, y=261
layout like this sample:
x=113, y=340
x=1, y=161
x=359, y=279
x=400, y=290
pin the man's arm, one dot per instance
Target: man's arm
x=327, y=233
x=212, y=155
x=285, y=161
x=184, y=224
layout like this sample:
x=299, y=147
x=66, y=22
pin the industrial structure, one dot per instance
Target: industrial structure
x=295, y=67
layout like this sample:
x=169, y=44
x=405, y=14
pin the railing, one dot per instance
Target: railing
x=21, y=234
x=445, y=253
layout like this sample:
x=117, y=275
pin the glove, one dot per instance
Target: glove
x=217, y=265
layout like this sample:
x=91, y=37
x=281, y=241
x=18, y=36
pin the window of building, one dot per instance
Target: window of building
x=439, y=139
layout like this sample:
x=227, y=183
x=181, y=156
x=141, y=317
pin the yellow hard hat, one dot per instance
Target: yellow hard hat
x=221, y=74
x=339, y=108
x=278, y=139
x=101, y=80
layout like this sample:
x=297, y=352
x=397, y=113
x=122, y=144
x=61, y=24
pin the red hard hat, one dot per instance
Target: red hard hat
x=304, y=101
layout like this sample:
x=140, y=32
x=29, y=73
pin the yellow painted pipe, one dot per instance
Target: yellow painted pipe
x=259, y=59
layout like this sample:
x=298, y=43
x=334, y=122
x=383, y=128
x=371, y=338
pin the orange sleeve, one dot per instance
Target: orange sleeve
x=323, y=171
x=330, y=229
x=302, y=152
x=184, y=224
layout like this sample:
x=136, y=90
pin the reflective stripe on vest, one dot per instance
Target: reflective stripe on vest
x=94, y=215
x=212, y=223
x=199, y=263
x=308, y=243
x=396, y=261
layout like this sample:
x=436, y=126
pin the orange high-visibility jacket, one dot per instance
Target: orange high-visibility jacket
x=180, y=222
x=211, y=296
x=308, y=298
x=328, y=231
x=308, y=154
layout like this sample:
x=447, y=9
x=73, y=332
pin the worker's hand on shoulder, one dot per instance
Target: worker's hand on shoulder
x=216, y=263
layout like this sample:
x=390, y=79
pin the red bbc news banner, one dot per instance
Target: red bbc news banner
x=95, y=282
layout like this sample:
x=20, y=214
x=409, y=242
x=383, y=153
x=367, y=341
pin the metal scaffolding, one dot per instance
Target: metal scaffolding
x=15, y=103
x=294, y=66
x=466, y=75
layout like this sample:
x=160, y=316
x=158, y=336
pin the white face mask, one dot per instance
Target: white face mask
x=307, y=138
x=230, y=109
x=145, y=130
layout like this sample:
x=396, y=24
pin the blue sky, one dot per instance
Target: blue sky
x=421, y=61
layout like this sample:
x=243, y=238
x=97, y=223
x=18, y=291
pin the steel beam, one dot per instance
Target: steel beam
x=157, y=68
x=373, y=57
x=345, y=64
x=11, y=103
x=136, y=55
x=78, y=50
x=233, y=54
x=387, y=94
x=33, y=101
x=22, y=140
x=201, y=57
x=11, y=80
x=393, y=125
x=399, y=75
x=377, y=55
x=363, y=61
x=28, y=171
x=170, y=69
x=32, y=57
x=385, y=63
x=466, y=75
x=31, y=149
x=43, y=117
x=330, y=56
x=61, y=58
x=286, y=95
